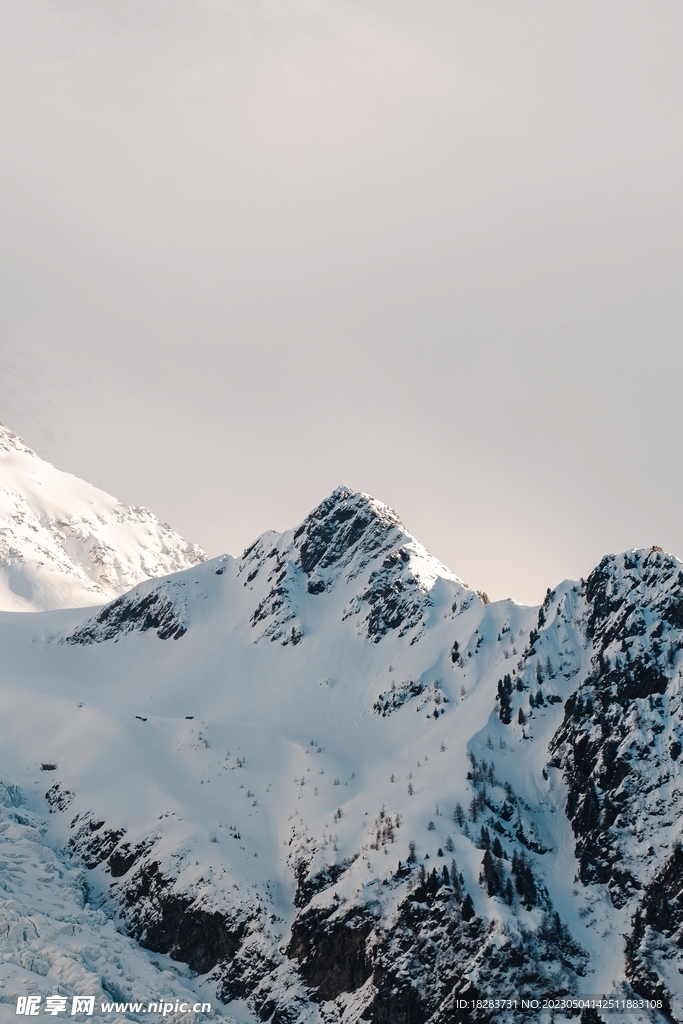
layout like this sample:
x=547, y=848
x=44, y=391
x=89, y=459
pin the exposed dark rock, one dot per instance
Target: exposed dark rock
x=59, y=799
x=94, y=845
x=122, y=859
x=658, y=918
x=169, y=922
x=308, y=887
x=329, y=945
x=134, y=612
x=337, y=525
x=394, y=602
x=247, y=976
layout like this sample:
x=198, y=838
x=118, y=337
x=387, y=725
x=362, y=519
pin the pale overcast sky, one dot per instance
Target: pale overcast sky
x=431, y=249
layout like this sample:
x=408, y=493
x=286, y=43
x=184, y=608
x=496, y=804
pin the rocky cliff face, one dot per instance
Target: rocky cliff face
x=618, y=749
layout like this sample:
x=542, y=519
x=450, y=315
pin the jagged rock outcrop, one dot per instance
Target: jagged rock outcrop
x=159, y=607
x=619, y=742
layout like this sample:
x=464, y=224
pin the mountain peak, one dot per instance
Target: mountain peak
x=65, y=543
x=10, y=440
x=353, y=545
x=346, y=519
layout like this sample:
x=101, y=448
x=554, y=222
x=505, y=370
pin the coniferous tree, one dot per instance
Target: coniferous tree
x=492, y=874
x=467, y=908
x=524, y=880
x=591, y=1016
x=505, y=708
x=589, y=814
x=455, y=881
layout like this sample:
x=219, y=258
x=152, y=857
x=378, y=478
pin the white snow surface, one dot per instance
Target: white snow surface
x=66, y=544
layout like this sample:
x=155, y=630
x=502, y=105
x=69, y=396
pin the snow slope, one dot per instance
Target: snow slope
x=339, y=786
x=64, y=543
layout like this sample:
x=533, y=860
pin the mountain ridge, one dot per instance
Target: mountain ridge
x=334, y=546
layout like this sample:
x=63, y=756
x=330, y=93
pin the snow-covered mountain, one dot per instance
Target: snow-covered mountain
x=66, y=544
x=339, y=785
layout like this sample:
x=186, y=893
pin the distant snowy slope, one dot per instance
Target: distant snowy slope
x=65, y=544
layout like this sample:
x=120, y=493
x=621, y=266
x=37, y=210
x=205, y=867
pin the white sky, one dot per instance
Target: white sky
x=433, y=250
